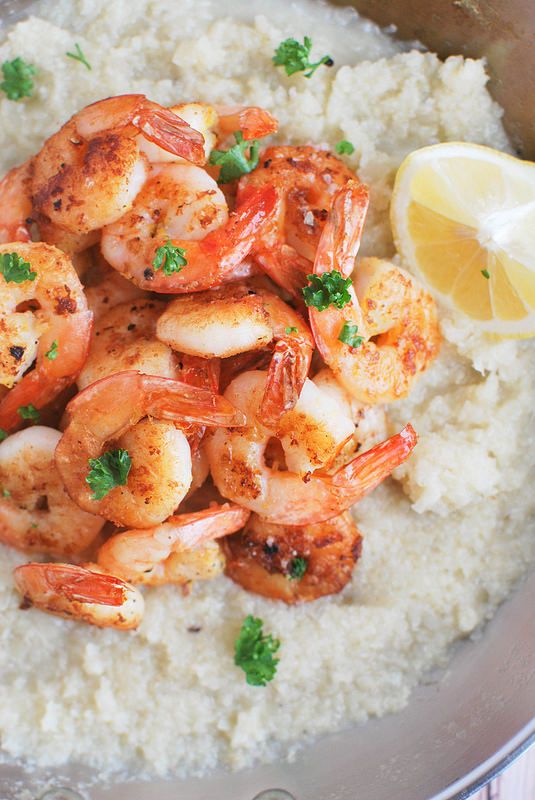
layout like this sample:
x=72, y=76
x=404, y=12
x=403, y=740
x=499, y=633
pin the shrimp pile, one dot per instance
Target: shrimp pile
x=194, y=366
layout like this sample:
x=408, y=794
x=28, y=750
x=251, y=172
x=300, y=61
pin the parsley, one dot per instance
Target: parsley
x=28, y=412
x=79, y=56
x=17, y=81
x=289, y=330
x=3, y=434
x=344, y=148
x=298, y=567
x=235, y=162
x=53, y=352
x=6, y=493
x=15, y=269
x=329, y=289
x=33, y=525
x=485, y=273
x=253, y=652
x=348, y=335
x=294, y=57
x=169, y=258
x=108, y=471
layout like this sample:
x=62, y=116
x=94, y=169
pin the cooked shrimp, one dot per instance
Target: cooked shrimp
x=16, y=204
x=55, y=334
x=80, y=594
x=240, y=318
x=290, y=563
x=36, y=513
x=310, y=436
x=113, y=409
x=306, y=180
x=112, y=290
x=125, y=339
x=394, y=315
x=154, y=556
x=182, y=205
x=89, y=172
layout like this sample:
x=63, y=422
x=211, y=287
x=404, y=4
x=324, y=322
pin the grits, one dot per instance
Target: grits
x=443, y=544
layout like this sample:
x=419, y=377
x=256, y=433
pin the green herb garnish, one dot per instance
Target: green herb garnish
x=295, y=57
x=298, y=567
x=348, y=335
x=169, y=258
x=344, y=148
x=6, y=493
x=15, y=269
x=485, y=273
x=3, y=434
x=290, y=330
x=236, y=161
x=79, y=56
x=29, y=412
x=329, y=289
x=17, y=81
x=52, y=354
x=108, y=471
x=253, y=652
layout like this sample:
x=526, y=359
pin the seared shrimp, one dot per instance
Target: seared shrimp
x=296, y=496
x=16, y=204
x=390, y=310
x=55, y=334
x=89, y=172
x=113, y=409
x=36, y=513
x=240, y=318
x=183, y=206
x=80, y=594
x=168, y=552
x=290, y=563
x=306, y=180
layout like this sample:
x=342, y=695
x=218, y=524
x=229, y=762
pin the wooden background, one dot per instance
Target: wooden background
x=516, y=783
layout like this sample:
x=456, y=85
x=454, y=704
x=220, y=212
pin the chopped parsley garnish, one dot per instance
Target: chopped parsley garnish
x=485, y=273
x=17, y=81
x=289, y=330
x=344, y=148
x=298, y=567
x=3, y=434
x=295, y=57
x=28, y=412
x=348, y=335
x=108, y=471
x=6, y=493
x=15, y=269
x=52, y=354
x=169, y=258
x=236, y=161
x=79, y=56
x=329, y=289
x=253, y=652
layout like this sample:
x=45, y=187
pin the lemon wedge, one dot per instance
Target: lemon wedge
x=463, y=218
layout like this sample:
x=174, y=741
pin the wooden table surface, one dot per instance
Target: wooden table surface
x=516, y=783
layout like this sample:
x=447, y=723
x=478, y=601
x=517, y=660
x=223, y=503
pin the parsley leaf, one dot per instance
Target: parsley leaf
x=485, y=273
x=79, y=56
x=298, y=567
x=17, y=81
x=3, y=434
x=235, y=162
x=6, y=493
x=29, y=412
x=348, y=335
x=169, y=258
x=15, y=269
x=344, y=148
x=108, y=471
x=52, y=354
x=253, y=652
x=329, y=289
x=290, y=330
x=294, y=57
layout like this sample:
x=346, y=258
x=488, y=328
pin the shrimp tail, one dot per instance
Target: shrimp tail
x=285, y=379
x=75, y=584
x=253, y=122
x=340, y=240
x=173, y=134
x=181, y=402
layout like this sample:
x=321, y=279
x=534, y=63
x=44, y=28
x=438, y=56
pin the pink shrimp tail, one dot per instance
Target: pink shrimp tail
x=74, y=583
x=340, y=239
x=254, y=122
x=287, y=373
x=213, y=523
x=181, y=402
x=170, y=132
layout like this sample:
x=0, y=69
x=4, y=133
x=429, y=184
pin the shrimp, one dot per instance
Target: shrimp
x=154, y=556
x=36, y=513
x=269, y=559
x=114, y=409
x=240, y=318
x=310, y=436
x=82, y=594
x=16, y=204
x=89, y=172
x=306, y=180
x=394, y=315
x=55, y=334
x=182, y=205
